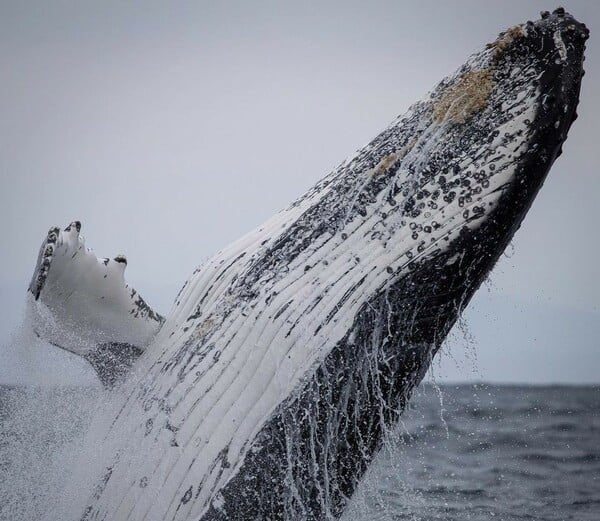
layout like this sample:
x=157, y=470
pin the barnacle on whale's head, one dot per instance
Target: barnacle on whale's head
x=468, y=95
x=505, y=39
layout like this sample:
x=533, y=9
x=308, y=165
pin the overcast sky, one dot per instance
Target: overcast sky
x=170, y=129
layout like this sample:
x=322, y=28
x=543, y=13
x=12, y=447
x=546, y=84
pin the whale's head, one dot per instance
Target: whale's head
x=483, y=143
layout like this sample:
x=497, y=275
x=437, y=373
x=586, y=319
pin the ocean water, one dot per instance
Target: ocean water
x=461, y=452
x=481, y=452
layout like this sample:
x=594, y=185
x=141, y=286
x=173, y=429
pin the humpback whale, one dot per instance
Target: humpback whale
x=269, y=387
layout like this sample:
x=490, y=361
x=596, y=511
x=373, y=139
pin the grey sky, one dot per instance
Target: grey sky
x=170, y=130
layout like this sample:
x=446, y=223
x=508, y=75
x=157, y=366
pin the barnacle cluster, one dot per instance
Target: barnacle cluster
x=505, y=39
x=467, y=96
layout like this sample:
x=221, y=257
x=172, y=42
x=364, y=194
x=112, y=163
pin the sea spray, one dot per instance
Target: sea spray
x=42, y=425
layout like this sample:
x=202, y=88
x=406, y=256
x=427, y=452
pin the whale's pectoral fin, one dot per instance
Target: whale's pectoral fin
x=81, y=303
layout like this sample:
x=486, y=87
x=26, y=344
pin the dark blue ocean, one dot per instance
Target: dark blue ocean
x=466, y=452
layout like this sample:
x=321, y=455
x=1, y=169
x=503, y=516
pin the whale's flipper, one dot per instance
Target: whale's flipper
x=81, y=303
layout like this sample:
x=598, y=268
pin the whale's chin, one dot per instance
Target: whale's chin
x=286, y=358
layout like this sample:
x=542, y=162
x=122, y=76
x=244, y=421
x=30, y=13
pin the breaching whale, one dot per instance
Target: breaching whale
x=268, y=388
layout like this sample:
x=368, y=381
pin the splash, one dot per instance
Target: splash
x=41, y=432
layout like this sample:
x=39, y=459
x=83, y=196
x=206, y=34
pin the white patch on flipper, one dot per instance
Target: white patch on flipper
x=84, y=301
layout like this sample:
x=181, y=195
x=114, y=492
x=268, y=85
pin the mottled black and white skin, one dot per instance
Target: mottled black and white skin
x=287, y=357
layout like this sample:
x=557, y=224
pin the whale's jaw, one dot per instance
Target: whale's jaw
x=291, y=353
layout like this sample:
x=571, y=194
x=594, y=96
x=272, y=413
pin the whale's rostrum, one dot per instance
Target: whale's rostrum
x=288, y=355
